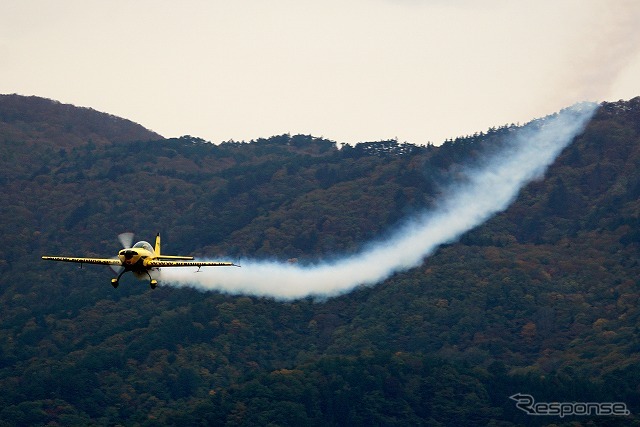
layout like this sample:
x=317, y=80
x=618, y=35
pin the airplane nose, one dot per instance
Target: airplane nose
x=128, y=254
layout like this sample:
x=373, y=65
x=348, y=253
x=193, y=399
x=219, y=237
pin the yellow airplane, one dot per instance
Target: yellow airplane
x=141, y=260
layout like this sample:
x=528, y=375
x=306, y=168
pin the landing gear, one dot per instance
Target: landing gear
x=152, y=282
x=116, y=281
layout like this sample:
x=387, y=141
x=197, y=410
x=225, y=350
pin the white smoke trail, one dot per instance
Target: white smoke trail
x=487, y=191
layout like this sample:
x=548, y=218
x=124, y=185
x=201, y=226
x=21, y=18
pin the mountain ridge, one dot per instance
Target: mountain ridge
x=56, y=119
x=540, y=299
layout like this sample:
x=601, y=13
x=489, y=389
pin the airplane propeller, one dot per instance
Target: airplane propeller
x=126, y=240
x=116, y=268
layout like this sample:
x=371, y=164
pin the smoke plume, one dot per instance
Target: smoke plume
x=485, y=191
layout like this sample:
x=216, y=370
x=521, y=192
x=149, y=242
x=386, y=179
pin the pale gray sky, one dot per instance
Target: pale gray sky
x=350, y=71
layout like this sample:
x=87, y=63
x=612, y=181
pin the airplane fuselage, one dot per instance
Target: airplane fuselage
x=134, y=257
x=138, y=256
x=135, y=260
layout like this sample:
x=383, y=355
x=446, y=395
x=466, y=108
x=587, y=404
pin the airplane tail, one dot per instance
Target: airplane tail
x=157, y=248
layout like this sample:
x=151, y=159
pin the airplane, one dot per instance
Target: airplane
x=141, y=259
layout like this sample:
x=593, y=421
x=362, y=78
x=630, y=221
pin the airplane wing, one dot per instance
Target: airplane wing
x=104, y=261
x=160, y=263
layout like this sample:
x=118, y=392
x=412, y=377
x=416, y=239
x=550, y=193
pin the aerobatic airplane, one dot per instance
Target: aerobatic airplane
x=141, y=259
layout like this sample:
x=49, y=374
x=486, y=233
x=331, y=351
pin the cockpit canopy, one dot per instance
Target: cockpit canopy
x=144, y=245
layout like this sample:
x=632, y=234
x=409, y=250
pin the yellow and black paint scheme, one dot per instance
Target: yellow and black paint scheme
x=142, y=260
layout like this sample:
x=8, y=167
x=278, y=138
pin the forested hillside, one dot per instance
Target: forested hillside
x=542, y=299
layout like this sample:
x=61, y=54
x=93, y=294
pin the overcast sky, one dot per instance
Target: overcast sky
x=356, y=70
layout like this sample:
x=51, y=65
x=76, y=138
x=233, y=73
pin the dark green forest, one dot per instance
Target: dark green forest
x=542, y=299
